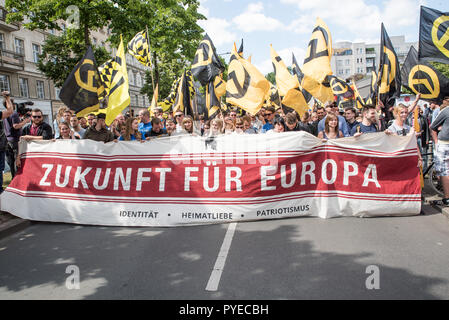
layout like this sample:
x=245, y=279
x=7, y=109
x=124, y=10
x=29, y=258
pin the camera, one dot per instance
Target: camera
x=21, y=108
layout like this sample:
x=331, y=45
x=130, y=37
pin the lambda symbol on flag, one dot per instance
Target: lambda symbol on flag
x=203, y=55
x=318, y=43
x=420, y=76
x=241, y=84
x=440, y=43
x=389, y=70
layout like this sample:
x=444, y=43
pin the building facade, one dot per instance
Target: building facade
x=19, y=54
x=351, y=59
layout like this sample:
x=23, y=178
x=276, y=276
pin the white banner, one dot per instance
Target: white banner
x=186, y=180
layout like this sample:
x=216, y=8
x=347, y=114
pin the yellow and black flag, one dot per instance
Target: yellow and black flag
x=372, y=99
x=246, y=87
x=317, y=64
x=320, y=90
x=422, y=77
x=206, y=64
x=214, y=91
x=168, y=102
x=240, y=51
x=359, y=102
x=183, y=99
x=434, y=35
x=140, y=49
x=115, y=76
x=288, y=85
x=340, y=88
x=83, y=88
x=389, y=80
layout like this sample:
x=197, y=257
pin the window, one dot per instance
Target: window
x=4, y=83
x=131, y=77
x=347, y=62
x=57, y=90
x=19, y=46
x=2, y=41
x=339, y=63
x=36, y=52
x=40, y=89
x=23, y=87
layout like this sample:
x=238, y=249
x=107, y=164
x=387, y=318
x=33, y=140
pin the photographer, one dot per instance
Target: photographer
x=13, y=128
x=3, y=139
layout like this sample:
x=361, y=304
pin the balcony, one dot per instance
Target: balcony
x=7, y=26
x=11, y=61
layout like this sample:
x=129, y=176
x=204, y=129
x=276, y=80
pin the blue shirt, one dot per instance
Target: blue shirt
x=267, y=127
x=435, y=113
x=144, y=128
x=132, y=138
x=342, y=125
x=364, y=129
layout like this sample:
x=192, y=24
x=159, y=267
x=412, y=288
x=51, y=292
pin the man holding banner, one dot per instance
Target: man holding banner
x=441, y=139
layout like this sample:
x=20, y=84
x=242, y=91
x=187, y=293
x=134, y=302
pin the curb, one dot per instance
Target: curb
x=12, y=226
x=427, y=207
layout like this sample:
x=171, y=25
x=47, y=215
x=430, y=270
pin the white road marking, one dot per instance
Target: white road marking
x=215, y=276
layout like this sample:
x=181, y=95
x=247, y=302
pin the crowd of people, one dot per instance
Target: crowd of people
x=328, y=122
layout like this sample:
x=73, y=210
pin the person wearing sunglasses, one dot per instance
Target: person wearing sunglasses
x=269, y=119
x=37, y=129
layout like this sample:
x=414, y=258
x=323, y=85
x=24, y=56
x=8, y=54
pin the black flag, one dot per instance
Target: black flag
x=240, y=52
x=389, y=79
x=183, y=99
x=433, y=39
x=421, y=77
x=206, y=64
x=82, y=88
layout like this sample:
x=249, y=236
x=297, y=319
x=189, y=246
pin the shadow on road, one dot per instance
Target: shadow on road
x=175, y=263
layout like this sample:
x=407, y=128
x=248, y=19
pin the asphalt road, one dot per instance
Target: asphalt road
x=306, y=258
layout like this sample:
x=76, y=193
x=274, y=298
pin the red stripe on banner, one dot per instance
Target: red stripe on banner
x=218, y=154
x=204, y=202
x=330, y=170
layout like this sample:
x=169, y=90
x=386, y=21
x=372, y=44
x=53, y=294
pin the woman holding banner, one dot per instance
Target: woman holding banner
x=132, y=132
x=331, y=130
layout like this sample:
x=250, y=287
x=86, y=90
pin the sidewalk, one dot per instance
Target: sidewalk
x=10, y=224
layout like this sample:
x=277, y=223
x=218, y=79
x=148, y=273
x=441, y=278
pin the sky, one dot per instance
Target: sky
x=288, y=24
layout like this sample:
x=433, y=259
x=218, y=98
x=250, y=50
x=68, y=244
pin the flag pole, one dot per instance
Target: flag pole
x=149, y=54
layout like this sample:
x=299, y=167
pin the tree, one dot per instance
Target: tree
x=173, y=31
x=60, y=54
x=442, y=67
x=271, y=77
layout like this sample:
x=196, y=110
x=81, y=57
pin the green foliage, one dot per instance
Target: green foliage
x=442, y=67
x=271, y=77
x=172, y=24
x=173, y=31
x=61, y=53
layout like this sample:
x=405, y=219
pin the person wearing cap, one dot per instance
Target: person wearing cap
x=99, y=131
